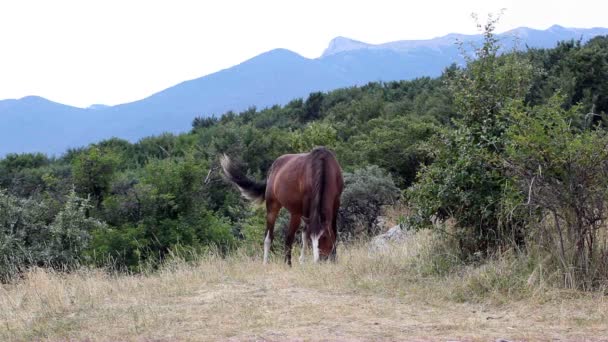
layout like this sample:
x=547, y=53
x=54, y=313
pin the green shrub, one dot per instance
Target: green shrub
x=467, y=179
x=365, y=192
x=28, y=237
x=563, y=172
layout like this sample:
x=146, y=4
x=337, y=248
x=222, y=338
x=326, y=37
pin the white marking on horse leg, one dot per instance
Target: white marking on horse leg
x=304, y=246
x=267, y=243
x=315, y=247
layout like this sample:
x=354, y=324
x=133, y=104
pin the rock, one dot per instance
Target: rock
x=381, y=242
x=394, y=234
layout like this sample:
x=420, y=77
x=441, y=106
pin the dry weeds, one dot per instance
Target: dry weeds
x=361, y=298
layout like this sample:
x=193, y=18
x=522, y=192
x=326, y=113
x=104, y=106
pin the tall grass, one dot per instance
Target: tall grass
x=215, y=297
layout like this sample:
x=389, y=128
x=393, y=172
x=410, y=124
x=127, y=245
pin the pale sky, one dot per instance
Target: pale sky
x=81, y=52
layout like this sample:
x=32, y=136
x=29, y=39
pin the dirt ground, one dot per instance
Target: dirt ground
x=242, y=300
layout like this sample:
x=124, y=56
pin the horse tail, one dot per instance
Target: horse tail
x=318, y=156
x=249, y=188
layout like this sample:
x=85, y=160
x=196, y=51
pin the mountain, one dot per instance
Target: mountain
x=37, y=124
x=34, y=124
x=522, y=35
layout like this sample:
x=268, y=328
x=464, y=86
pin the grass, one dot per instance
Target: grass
x=404, y=293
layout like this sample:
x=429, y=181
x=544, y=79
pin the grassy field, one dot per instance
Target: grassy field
x=394, y=295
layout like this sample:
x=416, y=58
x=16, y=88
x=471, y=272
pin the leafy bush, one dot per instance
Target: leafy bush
x=30, y=236
x=564, y=173
x=365, y=192
x=396, y=145
x=467, y=180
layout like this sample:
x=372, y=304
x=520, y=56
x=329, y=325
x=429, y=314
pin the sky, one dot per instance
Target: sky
x=83, y=52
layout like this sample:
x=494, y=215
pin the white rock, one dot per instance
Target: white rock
x=381, y=242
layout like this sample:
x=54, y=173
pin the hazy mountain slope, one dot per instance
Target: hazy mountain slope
x=275, y=77
x=34, y=124
x=523, y=36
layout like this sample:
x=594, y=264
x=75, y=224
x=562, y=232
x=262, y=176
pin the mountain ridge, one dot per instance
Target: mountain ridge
x=35, y=124
x=341, y=44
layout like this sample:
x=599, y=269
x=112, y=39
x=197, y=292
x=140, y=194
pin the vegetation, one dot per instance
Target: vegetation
x=392, y=295
x=511, y=148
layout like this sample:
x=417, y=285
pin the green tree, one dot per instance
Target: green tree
x=92, y=171
x=312, y=107
x=396, y=145
x=467, y=180
x=315, y=134
x=563, y=172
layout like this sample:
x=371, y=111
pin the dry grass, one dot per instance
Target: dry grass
x=388, y=296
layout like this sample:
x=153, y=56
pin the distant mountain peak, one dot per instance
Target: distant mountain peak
x=341, y=44
x=279, y=52
x=97, y=106
x=556, y=28
x=33, y=98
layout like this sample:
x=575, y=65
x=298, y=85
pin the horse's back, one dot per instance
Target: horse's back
x=285, y=182
x=291, y=180
x=332, y=169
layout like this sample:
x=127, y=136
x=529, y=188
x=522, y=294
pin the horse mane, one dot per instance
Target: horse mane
x=318, y=157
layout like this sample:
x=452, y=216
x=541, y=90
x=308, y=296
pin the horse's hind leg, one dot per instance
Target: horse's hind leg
x=272, y=211
x=304, y=245
x=294, y=224
x=334, y=250
x=334, y=226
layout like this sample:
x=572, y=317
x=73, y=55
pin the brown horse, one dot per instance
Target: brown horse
x=309, y=185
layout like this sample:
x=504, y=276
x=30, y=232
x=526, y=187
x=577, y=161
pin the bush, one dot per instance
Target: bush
x=28, y=239
x=133, y=246
x=365, y=192
x=564, y=173
x=467, y=180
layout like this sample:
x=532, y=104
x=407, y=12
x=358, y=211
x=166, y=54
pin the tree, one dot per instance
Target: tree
x=32, y=234
x=312, y=107
x=467, y=180
x=315, y=134
x=92, y=171
x=563, y=172
x=395, y=145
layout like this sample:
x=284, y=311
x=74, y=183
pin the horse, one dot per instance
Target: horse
x=309, y=186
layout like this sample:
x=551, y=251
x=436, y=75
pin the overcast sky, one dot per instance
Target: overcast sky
x=81, y=52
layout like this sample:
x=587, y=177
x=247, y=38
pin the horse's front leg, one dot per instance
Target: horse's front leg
x=294, y=224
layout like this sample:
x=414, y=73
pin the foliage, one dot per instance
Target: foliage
x=397, y=145
x=365, y=192
x=70, y=232
x=315, y=134
x=92, y=172
x=564, y=172
x=578, y=72
x=467, y=180
x=31, y=234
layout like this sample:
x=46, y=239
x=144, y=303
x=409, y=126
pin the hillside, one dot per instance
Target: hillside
x=272, y=78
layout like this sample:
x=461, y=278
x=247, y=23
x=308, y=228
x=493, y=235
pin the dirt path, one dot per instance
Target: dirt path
x=245, y=301
x=246, y=312
x=256, y=312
